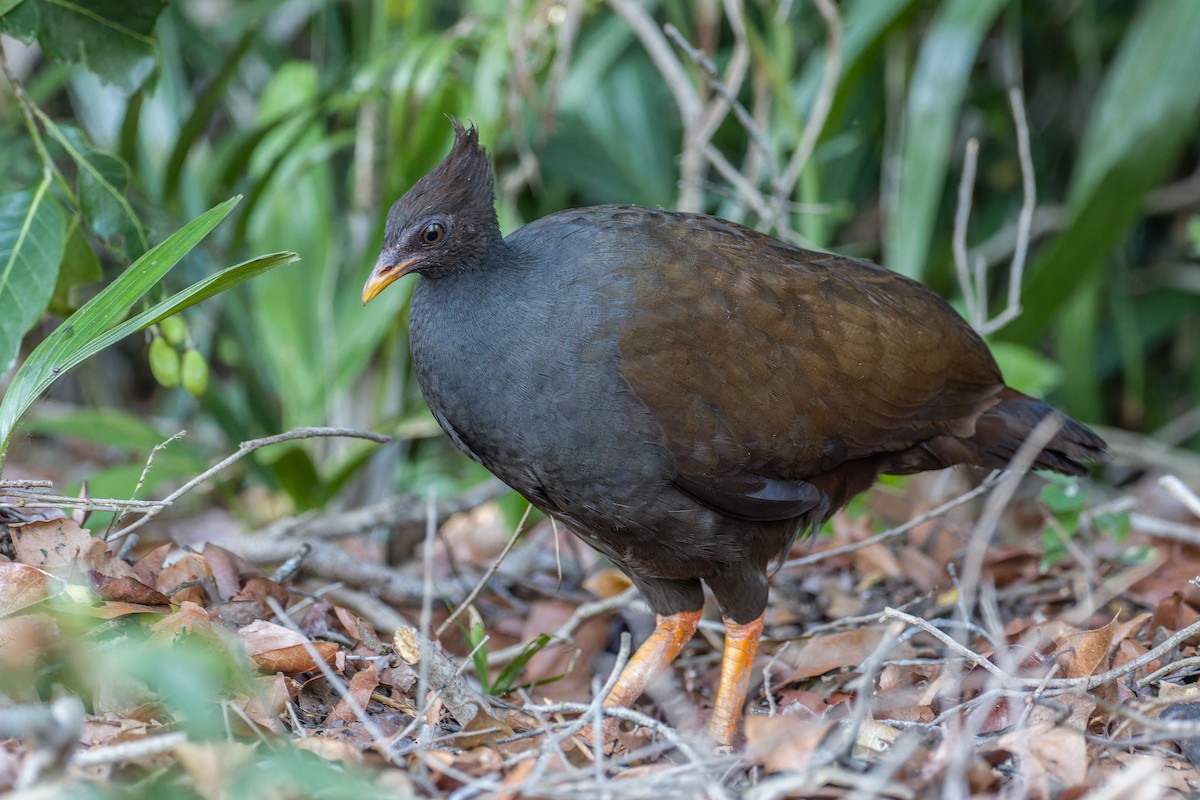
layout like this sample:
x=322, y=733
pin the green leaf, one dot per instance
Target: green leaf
x=1062, y=494
x=79, y=268
x=112, y=37
x=21, y=21
x=42, y=365
x=8, y=5
x=91, y=328
x=201, y=117
x=1144, y=114
x=102, y=180
x=1025, y=369
x=33, y=231
x=512, y=670
x=475, y=635
x=934, y=101
x=110, y=427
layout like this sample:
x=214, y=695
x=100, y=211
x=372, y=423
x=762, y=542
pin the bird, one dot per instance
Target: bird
x=685, y=394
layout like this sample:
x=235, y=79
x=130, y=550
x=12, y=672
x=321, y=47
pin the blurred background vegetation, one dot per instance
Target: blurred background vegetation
x=321, y=113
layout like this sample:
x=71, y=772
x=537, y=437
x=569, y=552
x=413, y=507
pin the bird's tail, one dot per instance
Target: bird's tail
x=1002, y=428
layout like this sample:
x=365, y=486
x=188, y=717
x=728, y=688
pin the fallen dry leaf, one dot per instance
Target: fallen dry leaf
x=125, y=589
x=331, y=749
x=361, y=686
x=60, y=546
x=275, y=648
x=189, y=618
x=297, y=658
x=22, y=586
x=1089, y=650
x=1052, y=752
x=785, y=742
x=264, y=706
x=833, y=651
x=186, y=578
x=23, y=641
x=212, y=765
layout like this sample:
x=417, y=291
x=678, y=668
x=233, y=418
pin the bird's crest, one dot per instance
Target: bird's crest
x=461, y=185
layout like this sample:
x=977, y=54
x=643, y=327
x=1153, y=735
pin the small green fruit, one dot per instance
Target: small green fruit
x=174, y=329
x=195, y=372
x=164, y=362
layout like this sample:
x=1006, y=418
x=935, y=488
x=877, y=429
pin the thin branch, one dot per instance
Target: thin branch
x=487, y=576
x=130, y=750
x=822, y=103
x=243, y=450
x=686, y=98
x=1016, y=271
x=1008, y=681
x=1181, y=492
x=962, y=218
x=566, y=632
x=899, y=530
x=379, y=739
x=116, y=520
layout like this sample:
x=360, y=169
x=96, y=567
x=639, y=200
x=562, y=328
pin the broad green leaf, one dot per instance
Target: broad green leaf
x=114, y=38
x=1025, y=369
x=8, y=5
x=1145, y=113
x=110, y=427
x=32, y=239
x=201, y=116
x=293, y=207
x=76, y=338
x=934, y=103
x=102, y=180
x=21, y=21
x=80, y=267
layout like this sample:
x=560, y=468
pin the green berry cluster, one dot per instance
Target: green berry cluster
x=174, y=360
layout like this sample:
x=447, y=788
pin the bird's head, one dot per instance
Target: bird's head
x=445, y=223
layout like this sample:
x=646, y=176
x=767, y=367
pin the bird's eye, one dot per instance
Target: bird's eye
x=432, y=233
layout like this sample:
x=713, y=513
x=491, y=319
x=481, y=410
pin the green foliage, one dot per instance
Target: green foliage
x=932, y=112
x=161, y=112
x=114, y=38
x=510, y=673
x=32, y=240
x=98, y=323
x=1066, y=502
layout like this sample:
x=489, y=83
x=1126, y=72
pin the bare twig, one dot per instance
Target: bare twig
x=822, y=103
x=129, y=751
x=120, y=515
x=1180, y=492
x=971, y=268
x=1011, y=682
x=566, y=632
x=470, y=598
x=402, y=511
x=899, y=530
x=243, y=450
x=686, y=98
x=962, y=218
x=379, y=739
x=1016, y=271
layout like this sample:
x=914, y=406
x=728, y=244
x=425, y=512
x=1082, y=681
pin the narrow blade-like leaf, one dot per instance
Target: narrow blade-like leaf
x=934, y=104
x=60, y=350
x=33, y=233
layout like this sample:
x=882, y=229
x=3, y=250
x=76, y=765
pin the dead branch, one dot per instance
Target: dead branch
x=244, y=449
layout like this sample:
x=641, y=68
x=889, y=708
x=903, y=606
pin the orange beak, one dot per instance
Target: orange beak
x=385, y=273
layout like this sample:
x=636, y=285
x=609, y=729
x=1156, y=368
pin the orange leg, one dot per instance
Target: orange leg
x=671, y=635
x=741, y=645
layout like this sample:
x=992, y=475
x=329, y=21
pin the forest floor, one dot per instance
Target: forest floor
x=951, y=635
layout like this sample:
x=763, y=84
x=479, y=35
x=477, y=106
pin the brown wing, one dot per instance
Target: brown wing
x=758, y=359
